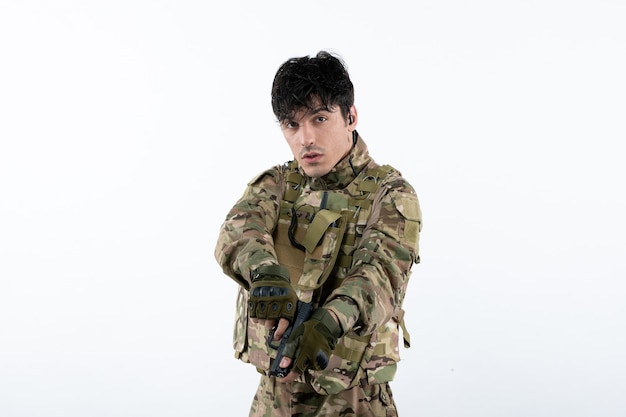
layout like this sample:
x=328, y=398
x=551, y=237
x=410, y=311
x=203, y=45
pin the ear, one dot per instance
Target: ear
x=353, y=118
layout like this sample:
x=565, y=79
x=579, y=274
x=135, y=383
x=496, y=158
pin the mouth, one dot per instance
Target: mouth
x=311, y=157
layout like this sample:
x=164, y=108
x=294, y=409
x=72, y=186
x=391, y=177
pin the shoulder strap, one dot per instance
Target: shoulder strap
x=367, y=184
x=294, y=182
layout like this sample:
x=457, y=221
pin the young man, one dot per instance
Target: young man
x=325, y=244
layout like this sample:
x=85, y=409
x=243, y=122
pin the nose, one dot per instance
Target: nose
x=307, y=135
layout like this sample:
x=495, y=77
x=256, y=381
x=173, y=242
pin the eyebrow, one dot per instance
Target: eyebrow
x=320, y=109
x=313, y=112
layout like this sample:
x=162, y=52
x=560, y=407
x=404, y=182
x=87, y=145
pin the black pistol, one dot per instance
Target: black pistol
x=303, y=312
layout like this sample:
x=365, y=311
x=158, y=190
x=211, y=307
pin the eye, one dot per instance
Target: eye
x=290, y=124
x=321, y=119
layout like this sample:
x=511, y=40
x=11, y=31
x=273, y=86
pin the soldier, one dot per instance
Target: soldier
x=332, y=233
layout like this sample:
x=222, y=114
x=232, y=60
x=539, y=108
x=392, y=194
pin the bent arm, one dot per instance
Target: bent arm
x=374, y=289
x=245, y=239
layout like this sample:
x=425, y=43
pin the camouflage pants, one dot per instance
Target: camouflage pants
x=275, y=399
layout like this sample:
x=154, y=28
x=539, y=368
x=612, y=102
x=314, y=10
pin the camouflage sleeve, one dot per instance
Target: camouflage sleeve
x=374, y=289
x=245, y=239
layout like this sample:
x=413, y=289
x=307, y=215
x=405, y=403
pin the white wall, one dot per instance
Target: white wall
x=128, y=128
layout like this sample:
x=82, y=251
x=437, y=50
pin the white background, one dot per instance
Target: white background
x=129, y=128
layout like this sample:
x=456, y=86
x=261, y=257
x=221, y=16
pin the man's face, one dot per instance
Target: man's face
x=319, y=138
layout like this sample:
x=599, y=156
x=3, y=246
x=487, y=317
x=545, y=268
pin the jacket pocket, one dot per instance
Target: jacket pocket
x=250, y=337
x=346, y=367
x=322, y=242
x=309, y=248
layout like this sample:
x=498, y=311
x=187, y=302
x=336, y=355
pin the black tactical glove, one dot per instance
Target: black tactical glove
x=271, y=294
x=311, y=343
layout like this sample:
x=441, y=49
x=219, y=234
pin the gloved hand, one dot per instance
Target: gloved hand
x=311, y=343
x=271, y=294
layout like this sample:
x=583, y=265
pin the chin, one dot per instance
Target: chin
x=315, y=172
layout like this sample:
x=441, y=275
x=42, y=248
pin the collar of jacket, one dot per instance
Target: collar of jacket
x=345, y=171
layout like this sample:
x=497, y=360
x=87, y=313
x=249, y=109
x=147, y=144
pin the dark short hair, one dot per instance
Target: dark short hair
x=299, y=82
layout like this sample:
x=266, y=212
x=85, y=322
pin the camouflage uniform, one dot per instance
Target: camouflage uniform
x=354, y=238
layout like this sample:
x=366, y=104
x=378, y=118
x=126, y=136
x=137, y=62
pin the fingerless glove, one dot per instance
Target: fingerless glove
x=271, y=294
x=311, y=344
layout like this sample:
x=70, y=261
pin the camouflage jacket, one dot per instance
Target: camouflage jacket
x=366, y=281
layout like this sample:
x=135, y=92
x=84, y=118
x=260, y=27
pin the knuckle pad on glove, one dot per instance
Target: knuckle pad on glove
x=321, y=359
x=310, y=345
x=272, y=298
